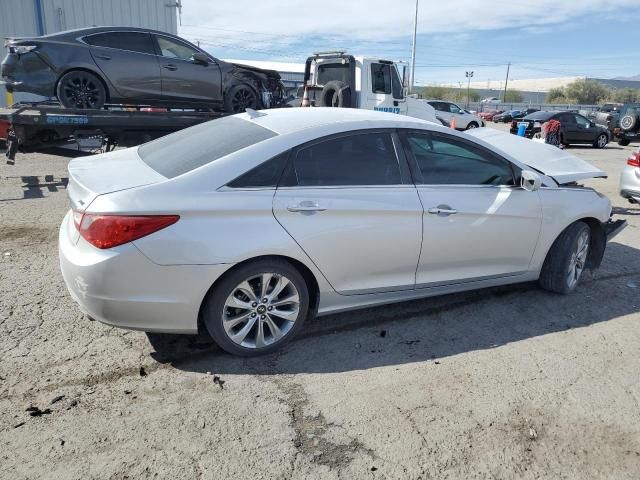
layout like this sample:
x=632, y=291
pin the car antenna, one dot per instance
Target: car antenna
x=254, y=114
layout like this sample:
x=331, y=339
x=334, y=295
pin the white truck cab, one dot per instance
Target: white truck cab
x=336, y=79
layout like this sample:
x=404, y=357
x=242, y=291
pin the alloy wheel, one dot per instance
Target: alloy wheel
x=243, y=99
x=578, y=259
x=261, y=310
x=82, y=91
x=602, y=141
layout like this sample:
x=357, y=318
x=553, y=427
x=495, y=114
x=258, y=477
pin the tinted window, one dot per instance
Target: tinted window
x=440, y=106
x=264, y=175
x=174, y=49
x=381, y=78
x=360, y=159
x=194, y=147
x=131, y=41
x=396, y=83
x=566, y=118
x=448, y=161
x=581, y=121
x=541, y=116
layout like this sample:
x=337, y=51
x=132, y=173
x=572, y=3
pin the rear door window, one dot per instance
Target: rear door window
x=353, y=160
x=188, y=149
x=131, y=41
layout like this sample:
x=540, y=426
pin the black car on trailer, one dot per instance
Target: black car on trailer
x=574, y=128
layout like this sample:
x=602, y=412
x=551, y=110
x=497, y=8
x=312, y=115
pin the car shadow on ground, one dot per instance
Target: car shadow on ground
x=431, y=329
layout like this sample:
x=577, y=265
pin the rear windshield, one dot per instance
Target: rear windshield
x=194, y=147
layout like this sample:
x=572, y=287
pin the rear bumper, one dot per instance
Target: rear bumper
x=122, y=288
x=27, y=73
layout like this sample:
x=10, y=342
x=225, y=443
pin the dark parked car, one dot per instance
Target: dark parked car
x=91, y=67
x=513, y=115
x=628, y=125
x=574, y=128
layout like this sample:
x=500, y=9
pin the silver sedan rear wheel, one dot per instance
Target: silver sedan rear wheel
x=257, y=307
x=261, y=310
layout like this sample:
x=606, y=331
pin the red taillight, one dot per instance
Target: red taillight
x=107, y=231
x=634, y=160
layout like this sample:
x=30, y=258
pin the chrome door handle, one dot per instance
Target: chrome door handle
x=171, y=67
x=442, y=210
x=306, y=207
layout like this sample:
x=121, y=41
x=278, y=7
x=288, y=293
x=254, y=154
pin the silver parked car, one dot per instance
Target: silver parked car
x=630, y=179
x=247, y=225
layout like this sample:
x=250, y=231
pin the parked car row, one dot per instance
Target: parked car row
x=574, y=128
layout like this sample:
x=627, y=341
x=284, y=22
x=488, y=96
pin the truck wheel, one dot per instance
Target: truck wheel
x=628, y=122
x=81, y=89
x=623, y=142
x=239, y=98
x=566, y=259
x=336, y=94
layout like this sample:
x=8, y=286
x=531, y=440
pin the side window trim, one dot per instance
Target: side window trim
x=417, y=173
x=401, y=158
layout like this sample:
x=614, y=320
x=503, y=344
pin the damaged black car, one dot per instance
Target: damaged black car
x=93, y=67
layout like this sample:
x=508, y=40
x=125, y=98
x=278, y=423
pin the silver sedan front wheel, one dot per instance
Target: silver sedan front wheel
x=257, y=307
x=578, y=259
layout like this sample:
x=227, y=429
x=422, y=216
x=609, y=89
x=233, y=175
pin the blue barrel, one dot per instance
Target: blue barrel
x=521, y=129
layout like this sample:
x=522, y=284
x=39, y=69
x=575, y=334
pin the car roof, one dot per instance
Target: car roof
x=77, y=32
x=290, y=120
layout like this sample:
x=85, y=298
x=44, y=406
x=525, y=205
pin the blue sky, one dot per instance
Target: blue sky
x=542, y=38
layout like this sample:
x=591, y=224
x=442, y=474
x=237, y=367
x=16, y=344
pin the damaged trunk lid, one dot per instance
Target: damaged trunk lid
x=558, y=164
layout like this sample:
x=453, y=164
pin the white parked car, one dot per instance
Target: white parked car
x=630, y=179
x=449, y=112
x=491, y=100
x=247, y=225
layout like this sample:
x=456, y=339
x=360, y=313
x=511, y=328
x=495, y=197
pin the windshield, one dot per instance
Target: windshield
x=194, y=147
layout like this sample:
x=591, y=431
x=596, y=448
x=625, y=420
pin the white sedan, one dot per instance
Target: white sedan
x=247, y=225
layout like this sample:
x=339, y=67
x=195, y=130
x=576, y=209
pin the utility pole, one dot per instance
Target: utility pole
x=469, y=76
x=506, y=81
x=413, y=50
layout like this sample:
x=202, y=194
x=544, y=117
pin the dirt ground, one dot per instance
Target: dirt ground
x=502, y=383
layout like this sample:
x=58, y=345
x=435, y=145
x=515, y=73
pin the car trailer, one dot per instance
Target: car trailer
x=36, y=127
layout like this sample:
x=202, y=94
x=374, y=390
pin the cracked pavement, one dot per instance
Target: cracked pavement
x=508, y=382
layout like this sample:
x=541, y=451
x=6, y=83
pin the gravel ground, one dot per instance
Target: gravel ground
x=509, y=382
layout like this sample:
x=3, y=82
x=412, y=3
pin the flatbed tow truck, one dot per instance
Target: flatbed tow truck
x=36, y=127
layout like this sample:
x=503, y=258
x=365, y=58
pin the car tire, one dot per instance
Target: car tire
x=243, y=288
x=239, y=98
x=82, y=90
x=601, y=141
x=623, y=142
x=472, y=125
x=566, y=260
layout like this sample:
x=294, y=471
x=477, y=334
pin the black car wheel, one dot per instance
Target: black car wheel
x=601, y=141
x=239, y=98
x=623, y=142
x=81, y=89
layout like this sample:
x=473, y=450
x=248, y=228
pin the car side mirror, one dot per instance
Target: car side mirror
x=530, y=181
x=201, y=58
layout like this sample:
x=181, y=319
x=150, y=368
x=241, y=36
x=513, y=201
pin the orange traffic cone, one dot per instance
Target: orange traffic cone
x=452, y=123
x=305, y=98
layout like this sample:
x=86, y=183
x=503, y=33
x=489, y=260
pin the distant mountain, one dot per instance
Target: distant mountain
x=635, y=78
